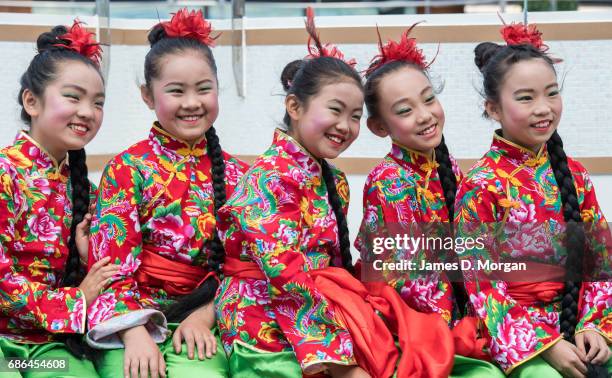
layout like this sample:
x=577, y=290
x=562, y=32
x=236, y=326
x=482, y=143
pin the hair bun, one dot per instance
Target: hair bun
x=156, y=34
x=47, y=41
x=289, y=73
x=484, y=52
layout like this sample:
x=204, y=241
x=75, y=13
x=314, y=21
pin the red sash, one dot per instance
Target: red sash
x=425, y=340
x=539, y=283
x=174, y=277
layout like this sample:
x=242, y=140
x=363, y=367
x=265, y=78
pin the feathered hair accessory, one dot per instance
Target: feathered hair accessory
x=185, y=24
x=405, y=50
x=519, y=34
x=82, y=42
x=317, y=49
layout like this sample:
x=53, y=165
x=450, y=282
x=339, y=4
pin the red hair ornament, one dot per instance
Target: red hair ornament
x=521, y=34
x=185, y=24
x=405, y=50
x=318, y=49
x=82, y=42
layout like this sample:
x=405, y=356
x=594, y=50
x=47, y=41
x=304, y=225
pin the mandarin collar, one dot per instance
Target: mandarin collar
x=518, y=153
x=410, y=158
x=32, y=155
x=297, y=152
x=174, y=147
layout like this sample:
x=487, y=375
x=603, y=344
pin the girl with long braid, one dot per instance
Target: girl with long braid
x=44, y=206
x=155, y=217
x=412, y=192
x=531, y=201
x=289, y=305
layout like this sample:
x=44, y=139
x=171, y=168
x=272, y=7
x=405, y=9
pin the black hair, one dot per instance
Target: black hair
x=447, y=177
x=304, y=79
x=494, y=61
x=205, y=293
x=162, y=45
x=42, y=70
x=336, y=204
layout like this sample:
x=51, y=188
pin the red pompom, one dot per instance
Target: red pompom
x=405, y=50
x=185, y=24
x=518, y=34
x=81, y=41
x=319, y=50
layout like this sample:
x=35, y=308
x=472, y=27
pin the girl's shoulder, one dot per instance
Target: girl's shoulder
x=387, y=170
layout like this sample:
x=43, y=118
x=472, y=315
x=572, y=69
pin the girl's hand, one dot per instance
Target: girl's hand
x=343, y=371
x=82, y=238
x=598, y=351
x=142, y=355
x=567, y=359
x=97, y=279
x=195, y=330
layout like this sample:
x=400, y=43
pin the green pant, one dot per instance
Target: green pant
x=247, y=363
x=538, y=367
x=110, y=362
x=77, y=368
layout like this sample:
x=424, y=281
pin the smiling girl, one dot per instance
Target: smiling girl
x=44, y=203
x=155, y=217
x=527, y=191
x=414, y=188
x=289, y=305
x=417, y=180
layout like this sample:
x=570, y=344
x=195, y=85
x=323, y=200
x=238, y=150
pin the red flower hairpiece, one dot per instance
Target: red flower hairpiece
x=405, y=50
x=319, y=50
x=185, y=24
x=82, y=42
x=519, y=34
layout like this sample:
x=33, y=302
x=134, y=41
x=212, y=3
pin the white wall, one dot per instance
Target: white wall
x=245, y=125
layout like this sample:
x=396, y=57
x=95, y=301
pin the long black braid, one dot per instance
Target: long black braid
x=74, y=271
x=336, y=204
x=205, y=293
x=494, y=61
x=449, y=187
x=575, y=235
x=575, y=242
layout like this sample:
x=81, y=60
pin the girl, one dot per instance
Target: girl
x=528, y=184
x=284, y=310
x=414, y=188
x=155, y=217
x=44, y=203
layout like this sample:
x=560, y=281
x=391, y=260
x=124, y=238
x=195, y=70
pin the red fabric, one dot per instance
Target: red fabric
x=425, y=341
x=174, y=277
x=539, y=283
x=466, y=340
x=241, y=269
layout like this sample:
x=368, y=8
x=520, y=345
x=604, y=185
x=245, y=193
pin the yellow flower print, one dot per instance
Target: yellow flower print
x=513, y=180
x=6, y=185
x=267, y=332
x=206, y=222
x=21, y=161
x=343, y=190
x=305, y=207
x=588, y=215
x=38, y=267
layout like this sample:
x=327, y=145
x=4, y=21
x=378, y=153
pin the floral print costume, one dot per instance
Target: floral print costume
x=156, y=197
x=35, y=218
x=403, y=190
x=516, y=188
x=279, y=217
